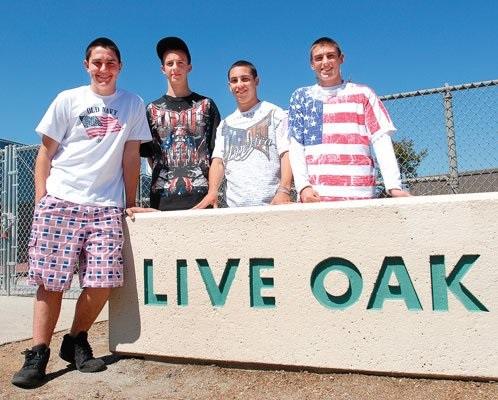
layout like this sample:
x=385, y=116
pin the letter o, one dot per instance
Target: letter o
x=347, y=268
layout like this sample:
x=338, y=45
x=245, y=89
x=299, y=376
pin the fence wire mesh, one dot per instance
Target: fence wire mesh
x=25, y=204
x=447, y=138
x=446, y=143
x=18, y=234
x=420, y=127
x=476, y=127
x=144, y=189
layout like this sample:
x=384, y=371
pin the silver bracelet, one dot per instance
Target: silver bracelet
x=283, y=189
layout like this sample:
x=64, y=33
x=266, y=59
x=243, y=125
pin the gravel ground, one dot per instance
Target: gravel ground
x=133, y=378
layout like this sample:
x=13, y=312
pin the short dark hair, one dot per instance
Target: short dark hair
x=244, y=63
x=324, y=40
x=106, y=44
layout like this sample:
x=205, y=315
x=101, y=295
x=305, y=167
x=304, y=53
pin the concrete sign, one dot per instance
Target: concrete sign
x=404, y=286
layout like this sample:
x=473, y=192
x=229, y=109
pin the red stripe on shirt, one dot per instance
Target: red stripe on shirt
x=370, y=119
x=339, y=159
x=332, y=198
x=384, y=111
x=359, y=98
x=343, y=117
x=342, y=180
x=346, y=138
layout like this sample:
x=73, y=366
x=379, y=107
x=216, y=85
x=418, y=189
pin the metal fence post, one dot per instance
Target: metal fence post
x=3, y=223
x=13, y=238
x=8, y=213
x=140, y=196
x=450, y=136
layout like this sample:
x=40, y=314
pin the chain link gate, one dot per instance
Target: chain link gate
x=26, y=157
x=8, y=217
x=17, y=202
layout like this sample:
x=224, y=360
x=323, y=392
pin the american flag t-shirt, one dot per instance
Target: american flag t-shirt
x=335, y=127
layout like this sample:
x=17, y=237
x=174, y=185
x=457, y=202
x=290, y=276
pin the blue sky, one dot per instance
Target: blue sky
x=392, y=46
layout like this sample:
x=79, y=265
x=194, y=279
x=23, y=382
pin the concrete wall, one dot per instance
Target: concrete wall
x=403, y=286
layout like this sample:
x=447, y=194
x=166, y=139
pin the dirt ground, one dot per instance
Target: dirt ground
x=133, y=378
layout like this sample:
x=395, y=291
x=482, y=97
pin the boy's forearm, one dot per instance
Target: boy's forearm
x=298, y=163
x=131, y=171
x=216, y=174
x=285, y=171
x=388, y=164
x=43, y=165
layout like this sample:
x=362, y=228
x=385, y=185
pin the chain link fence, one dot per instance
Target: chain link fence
x=144, y=190
x=25, y=205
x=447, y=138
x=8, y=223
x=446, y=143
x=18, y=192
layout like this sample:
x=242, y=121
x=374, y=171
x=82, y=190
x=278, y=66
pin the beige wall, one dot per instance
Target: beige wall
x=377, y=332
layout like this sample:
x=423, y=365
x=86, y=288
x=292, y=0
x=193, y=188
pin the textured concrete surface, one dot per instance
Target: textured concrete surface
x=135, y=378
x=373, y=330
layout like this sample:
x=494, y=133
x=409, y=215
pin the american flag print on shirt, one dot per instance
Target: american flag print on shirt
x=101, y=125
x=335, y=126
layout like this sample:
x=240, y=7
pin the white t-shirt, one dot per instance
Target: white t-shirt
x=250, y=144
x=91, y=131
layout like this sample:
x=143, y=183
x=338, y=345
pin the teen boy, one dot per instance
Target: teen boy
x=333, y=126
x=88, y=158
x=183, y=126
x=251, y=149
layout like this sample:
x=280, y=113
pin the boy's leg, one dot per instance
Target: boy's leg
x=53, y=251
x=47, y=308
x=88, y=308
x=101, y=269
x=75, y=348
x=101, y=265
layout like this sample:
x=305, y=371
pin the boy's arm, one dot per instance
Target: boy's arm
x=216, y=174
x=282, y=196
x=384, y=152
x=131, y=175
x=305, y=191
x=131, y=171
x=283, y=192
x=43, y=165
x=215, y=121
x=297, y=157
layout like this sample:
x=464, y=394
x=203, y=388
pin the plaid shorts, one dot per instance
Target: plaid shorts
x=64, y=233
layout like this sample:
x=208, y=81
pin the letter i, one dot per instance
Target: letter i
x=181, y=282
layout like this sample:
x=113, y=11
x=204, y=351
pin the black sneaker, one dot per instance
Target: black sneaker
x=33, y=371
x=77, y=351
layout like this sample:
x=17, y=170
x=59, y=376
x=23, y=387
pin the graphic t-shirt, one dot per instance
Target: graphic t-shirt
x=250, y=144
x=92, y=131
x=183, y=135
